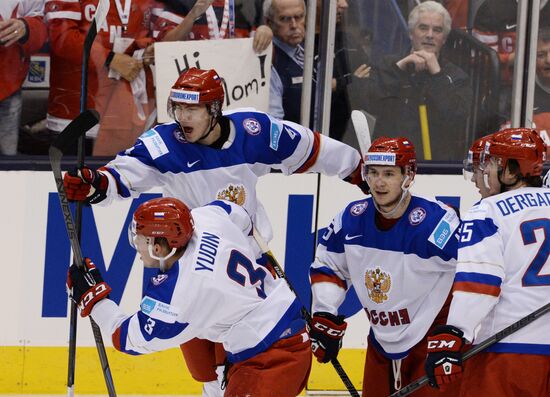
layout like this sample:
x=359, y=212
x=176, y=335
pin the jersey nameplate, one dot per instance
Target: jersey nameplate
x=159, y=310
x=154, y=144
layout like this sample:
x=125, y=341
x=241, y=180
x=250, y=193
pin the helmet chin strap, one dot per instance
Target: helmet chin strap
x=213, y=122
x=404, y=191
x=162, y=260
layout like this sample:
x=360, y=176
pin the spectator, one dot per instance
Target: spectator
x=495, y=25
x=398, y=251
x=22, y=32
x=541, y=110
x=215, y=19
x=499, y=278
x=287, y=19
x=205, y=258
x=398, y=86
x=119, y=87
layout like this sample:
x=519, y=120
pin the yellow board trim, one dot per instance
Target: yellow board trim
x=43, y=370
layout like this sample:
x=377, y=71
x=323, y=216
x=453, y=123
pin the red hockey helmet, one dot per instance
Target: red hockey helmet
x=521, y=144
x=197, y=86
x=392, y=151
x=165, y=217
x=473, y=158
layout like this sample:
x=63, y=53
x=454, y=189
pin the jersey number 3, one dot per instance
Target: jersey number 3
x=532, y=276
x=256, y=276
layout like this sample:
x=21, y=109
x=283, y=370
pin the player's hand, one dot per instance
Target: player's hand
x=326, y=333
x=86, y=185
x=86, y=286
x=444, y=360
x=262, y=38
x=127, y=66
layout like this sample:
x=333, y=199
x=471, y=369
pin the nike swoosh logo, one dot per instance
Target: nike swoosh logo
x=348, y=237
x=192, y=164
x=510, y=27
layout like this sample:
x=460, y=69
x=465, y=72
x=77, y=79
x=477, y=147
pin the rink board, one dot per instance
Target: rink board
x=34, y=335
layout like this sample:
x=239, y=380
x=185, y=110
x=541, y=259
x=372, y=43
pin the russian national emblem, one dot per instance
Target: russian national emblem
x=378, y=285
x=235, y=194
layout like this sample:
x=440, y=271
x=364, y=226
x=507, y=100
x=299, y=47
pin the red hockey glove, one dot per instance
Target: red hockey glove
x=326, y=333
x=86, y=286
x=356, y=178
x=444, y=360
x=86, y=185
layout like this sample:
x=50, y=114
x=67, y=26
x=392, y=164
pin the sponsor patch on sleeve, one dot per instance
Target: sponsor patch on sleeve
x=154, y=144
x=274, y=133
x=444, y=230
x=159, y=310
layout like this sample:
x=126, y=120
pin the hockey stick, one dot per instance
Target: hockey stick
x=417, y=384
x=281, y=274
x=362, y=131
x=98, y=20
x=76, y=129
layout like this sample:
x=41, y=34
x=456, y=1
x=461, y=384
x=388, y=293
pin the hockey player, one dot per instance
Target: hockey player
x=205, y=256
x=399, y=252
x=204, y=155
x=502, y=252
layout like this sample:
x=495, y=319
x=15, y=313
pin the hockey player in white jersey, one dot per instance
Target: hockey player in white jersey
x=208, y=286
x=502, y=275
x=204, y=155
x=398, y=250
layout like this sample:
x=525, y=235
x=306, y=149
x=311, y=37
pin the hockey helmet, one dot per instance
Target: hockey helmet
x=197, y=86
x=521, y=144
x=164, y=217
x=392, y=151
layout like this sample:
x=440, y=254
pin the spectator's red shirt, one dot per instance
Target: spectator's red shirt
x=14, y=60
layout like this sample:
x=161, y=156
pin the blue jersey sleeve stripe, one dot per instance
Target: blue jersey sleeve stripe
x=479, y=278
x=122, y=189
x=479, y=230
x=155, y=328
x=221, y=204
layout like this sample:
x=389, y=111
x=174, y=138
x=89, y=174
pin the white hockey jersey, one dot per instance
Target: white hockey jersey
x=216, y=291
x=402, y=276
x=198, y=174
x=503, y=270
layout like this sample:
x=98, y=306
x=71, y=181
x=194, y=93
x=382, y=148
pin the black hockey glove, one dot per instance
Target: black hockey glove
x=444, y=360
x=86, y=286
x=86, y=184
x=326, y=333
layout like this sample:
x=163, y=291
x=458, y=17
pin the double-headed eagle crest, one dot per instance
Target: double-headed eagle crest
x=378, y=285
x=235, y=194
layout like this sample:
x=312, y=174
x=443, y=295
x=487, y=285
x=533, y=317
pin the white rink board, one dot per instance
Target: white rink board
x=24, y=208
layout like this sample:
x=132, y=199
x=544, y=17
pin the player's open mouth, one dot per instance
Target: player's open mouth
x=188, y=130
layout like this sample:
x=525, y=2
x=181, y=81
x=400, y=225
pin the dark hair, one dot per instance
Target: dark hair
x=532, y=181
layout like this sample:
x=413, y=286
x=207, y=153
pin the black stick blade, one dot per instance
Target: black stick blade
x=76, y=128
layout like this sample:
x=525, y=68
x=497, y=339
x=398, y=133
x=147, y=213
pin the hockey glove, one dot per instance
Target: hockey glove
x=326, y=333
x=444, y=360
x=356, y=178
x=86, y=184
x=86, y=286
